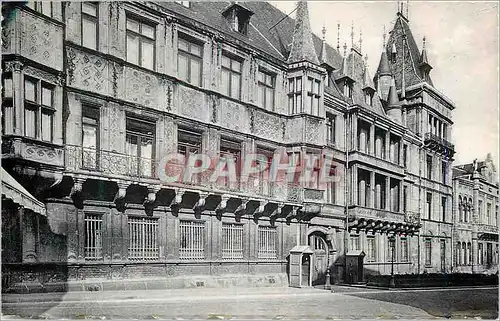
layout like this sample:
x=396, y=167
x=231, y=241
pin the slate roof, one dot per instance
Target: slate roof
x=302, y=43
x=413, y=74
x=263, y=33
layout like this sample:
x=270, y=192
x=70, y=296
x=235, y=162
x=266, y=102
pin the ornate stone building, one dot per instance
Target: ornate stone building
x=475, y=217
x=97, y=94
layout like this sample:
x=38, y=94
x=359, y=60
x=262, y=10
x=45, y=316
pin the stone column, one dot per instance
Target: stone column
x=387, y=142
x=29, y=232
x=401, y=196
x=387, y=193
x=362, y=192
x=372, y=139
x=17, y=96
x=354, y=184
x=372, y=189
x=354, y=135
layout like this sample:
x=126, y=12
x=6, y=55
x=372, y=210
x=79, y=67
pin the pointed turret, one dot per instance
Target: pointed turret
x=393, y=107
x=323, y=58
x=367, y=79
x=383, y=76
x=424, y=65
x=302, y=44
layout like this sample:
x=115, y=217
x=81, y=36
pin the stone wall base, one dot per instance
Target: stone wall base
x=183, y=282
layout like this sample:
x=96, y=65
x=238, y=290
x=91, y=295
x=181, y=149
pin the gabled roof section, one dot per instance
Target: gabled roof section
x=302, y=43
x=411, y=67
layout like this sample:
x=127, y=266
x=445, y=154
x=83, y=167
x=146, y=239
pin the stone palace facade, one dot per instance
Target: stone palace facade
x=97, y=93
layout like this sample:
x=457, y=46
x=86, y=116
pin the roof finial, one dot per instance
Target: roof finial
x=407, y=9
x=360, y=39
x=423, y=46
x=366, y=61
x=383, y=36
x=338, y=37
x=323, y=31
x=345, y=49
x=352, y=34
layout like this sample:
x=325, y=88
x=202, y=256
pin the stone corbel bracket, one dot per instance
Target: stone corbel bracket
x=292, y=214
x=176, y=202
x=259, y=211
x=200, y=204
x=120, y=195
x=150, y=199
x=222, y=207
x=277, y=213
x=242, y=209
x=76, y=190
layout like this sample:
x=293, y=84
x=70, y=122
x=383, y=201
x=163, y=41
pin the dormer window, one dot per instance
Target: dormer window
x=184, y=3
x=348, y=89
x=368, y=95
x=238, y=17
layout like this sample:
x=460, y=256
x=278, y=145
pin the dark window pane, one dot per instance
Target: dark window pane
x=29, y=90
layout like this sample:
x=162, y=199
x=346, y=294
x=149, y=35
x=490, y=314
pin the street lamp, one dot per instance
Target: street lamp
x=392, y=241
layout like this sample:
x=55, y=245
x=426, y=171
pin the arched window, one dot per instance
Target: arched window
x=457, y=255
x=460, y=218
x=470, y=209
x=469, y=249
x=464, y=253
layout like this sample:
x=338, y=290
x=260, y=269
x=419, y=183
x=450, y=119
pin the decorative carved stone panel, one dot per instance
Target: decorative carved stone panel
x=293, y=130
x=314, y=131
x=141, y=87
x=41, y=40
x=40, y=153
x=192, y=103
x=88, y=72
x=267, y=126
x=234, y=116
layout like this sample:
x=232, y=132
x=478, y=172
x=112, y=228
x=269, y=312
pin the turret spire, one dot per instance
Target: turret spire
x=338, y=37
x=352, y=35
x=302, y=44
x=360, y=40
x=424, y=65
x=322, y=57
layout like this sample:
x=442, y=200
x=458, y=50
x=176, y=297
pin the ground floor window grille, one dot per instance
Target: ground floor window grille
x=371, y=255
x=232, y=241
x=192, y=239
x=143, y=238
x=93, y=236
x=267, y=242
x=428, y=252
x=404, y=250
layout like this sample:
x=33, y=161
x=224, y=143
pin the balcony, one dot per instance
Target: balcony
x=44, y=153
x=439, y=144
x=360, y=157
x=375, y=214
x=88, y=159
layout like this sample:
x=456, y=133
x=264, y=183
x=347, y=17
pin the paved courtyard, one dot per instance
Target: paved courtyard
x=257, y=303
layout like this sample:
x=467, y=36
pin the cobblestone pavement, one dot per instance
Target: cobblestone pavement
x=252, y=303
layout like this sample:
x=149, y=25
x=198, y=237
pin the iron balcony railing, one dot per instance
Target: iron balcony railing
x=112, y=162
x=439, y=140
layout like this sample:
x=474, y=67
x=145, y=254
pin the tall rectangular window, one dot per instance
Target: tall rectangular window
x=355, y=243
x=488, y=213
x=267, y=242
x=428, y=252
x=331, y=188
x=44, y=7
x=232, y=241
x=192, y=240
x=405, y=199
x=371, y=250
x=7, y=106
x=313, y=96
x=444, y=172
x=189, y=143
x=140, y=139
x=190, y=61
x=443, y=208
x=404, y=249
x=429, y=205
x=93, y=236
x=90, y=22
x=267, y=85
x=405, y=156
x=230, y=154
x=38, y=109
x=265, y=186
x=429, y=166
x=330, y=128
x=480, y=210
x=140, y=43
x=231, y=77
x=480, y=254
x=295, y=95
x=143, y=238
x=90, y=137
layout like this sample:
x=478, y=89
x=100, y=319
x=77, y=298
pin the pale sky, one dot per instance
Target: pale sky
x=462, y=44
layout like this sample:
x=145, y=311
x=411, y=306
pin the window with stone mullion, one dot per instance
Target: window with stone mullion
x=266, y=90
x=140, y=43
x=90, y=25
x=231, y=77
x=189, y=61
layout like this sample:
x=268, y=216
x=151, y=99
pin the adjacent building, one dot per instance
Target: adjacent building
x=475, y=217
x=96, y=94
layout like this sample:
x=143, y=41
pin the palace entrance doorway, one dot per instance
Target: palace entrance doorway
x=317, y=242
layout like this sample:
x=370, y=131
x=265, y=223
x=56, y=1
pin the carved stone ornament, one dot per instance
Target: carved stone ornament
x=150, y=198
x=13, y=66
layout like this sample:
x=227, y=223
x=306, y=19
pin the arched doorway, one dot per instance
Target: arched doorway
x=317, y=242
